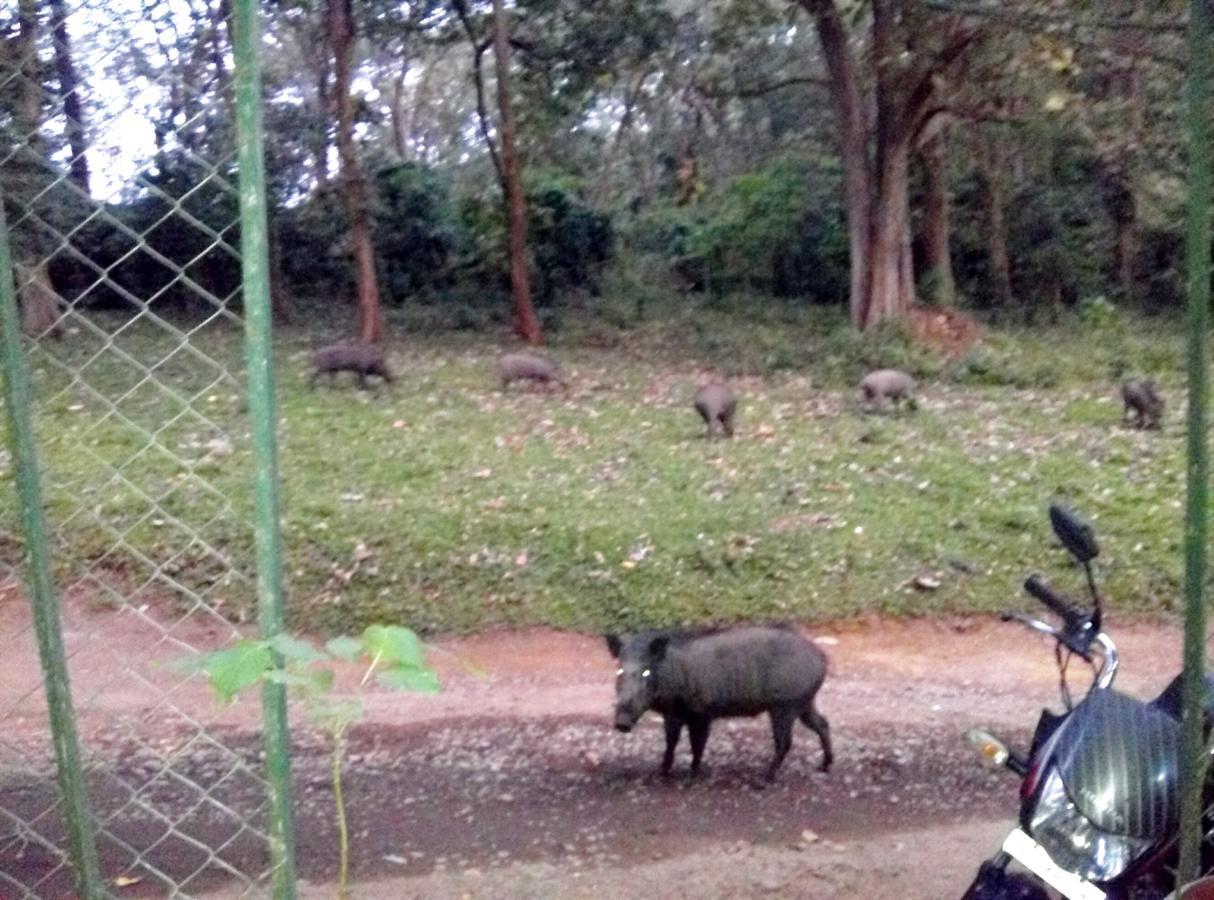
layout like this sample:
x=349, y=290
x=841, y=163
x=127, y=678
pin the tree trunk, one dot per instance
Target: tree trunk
x=69, y=84
x=876, y=193
x=990, y=168
x=891, y=290
x=28, y=112
x=318, y=141
x=341, y=34
x=936, y=231
x=1118, y=196
x=280, y=302
x=891, y=279
x=39, y=302
x=525, y=322
x=478, y=82
x=853, y=147
x=401, y=118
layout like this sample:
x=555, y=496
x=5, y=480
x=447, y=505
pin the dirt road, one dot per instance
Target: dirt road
x=512, y=783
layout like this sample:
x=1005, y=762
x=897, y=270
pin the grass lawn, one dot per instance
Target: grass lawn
x=445, y=504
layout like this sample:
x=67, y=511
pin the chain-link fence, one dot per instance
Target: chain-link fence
x=134, y=273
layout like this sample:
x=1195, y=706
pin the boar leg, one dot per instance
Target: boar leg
x=698, y=729
x=816, y=722
x=674, y=728
x=781, y=734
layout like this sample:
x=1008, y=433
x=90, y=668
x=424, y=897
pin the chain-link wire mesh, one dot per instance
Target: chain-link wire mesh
x=117, y=167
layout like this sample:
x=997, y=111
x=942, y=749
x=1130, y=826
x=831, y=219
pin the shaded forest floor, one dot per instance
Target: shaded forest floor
x=446, y=504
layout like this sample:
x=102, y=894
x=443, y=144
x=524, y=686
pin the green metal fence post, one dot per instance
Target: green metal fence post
x=256, y=278
x=82, y=846
x=1193, y=761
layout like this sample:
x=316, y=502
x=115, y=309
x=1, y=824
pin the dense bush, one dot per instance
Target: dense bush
x=569, y=240
x=417, y=230
x=778, y=231
x=177, y=243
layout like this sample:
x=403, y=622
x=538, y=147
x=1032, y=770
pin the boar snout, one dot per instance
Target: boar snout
x=625, y=719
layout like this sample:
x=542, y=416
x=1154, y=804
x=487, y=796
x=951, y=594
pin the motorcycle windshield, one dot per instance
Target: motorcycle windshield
x=1119, y=759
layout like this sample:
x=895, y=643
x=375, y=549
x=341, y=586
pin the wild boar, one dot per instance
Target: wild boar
x=1143, y=402
x=361, y=359
x=694, y=677
x=716, y=403
x=525, y=367
x=888, y=384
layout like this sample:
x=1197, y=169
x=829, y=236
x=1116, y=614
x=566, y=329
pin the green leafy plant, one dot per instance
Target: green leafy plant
x=395, y=657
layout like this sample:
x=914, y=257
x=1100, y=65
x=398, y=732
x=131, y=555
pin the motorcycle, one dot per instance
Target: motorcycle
x=1099, y=786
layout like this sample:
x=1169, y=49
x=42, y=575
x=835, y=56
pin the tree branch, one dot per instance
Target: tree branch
x=758, y=90
x=478, y=79
x=916, y=104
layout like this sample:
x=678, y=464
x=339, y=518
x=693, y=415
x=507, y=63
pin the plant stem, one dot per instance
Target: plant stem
x=370, y=669
x=343, y=867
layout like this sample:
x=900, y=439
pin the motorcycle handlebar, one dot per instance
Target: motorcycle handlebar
x=1039, y=588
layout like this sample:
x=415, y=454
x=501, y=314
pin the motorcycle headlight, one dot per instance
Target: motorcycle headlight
x=1073, y=842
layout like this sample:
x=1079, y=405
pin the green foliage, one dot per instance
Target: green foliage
x=777, y=231
x=570, y=241
x=236, y=668
x=314, y=248
x=1056, y=240
x=573, y=48
x=417, y=231
x=395, y=651
x=181, y=223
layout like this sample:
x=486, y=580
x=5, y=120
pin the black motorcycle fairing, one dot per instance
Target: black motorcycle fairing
x=1172, y=696
x=1119, y=760
x=1047, y=724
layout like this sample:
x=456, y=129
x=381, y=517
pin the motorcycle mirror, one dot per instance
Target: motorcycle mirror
x=1076, y=534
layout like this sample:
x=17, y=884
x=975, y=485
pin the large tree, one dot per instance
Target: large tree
x=506, y=161
x=912, y=51
x=69, y=91
x=341, y=38
x=526, y=324
x=22, y=69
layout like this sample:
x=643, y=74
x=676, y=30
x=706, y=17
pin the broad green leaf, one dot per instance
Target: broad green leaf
x=410, y=678
x=296, y=650
x=393, y=644
x=345, y=647
x=232, y=670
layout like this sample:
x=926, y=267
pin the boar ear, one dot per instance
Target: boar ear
x=614, y=644
x=657, y=648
